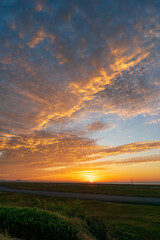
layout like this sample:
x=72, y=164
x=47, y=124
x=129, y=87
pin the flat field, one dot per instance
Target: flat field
x=125, y=221
x=117, y=189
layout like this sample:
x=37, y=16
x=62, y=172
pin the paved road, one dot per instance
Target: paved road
x=99, y=197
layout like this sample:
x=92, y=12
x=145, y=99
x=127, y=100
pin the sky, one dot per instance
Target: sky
x=80, y=90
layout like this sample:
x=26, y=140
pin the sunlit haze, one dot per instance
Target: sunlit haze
x=80, y=90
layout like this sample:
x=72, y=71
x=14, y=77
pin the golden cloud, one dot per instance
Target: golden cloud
x=64, y=147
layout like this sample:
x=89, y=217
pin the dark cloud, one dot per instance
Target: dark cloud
x=98, y=126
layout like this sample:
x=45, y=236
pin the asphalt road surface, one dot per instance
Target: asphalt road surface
x=155, y=201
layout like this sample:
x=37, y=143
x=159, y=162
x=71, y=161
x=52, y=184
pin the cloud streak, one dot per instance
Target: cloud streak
x=46, y=149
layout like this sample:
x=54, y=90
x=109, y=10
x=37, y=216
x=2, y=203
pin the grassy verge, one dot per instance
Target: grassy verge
x=119, y=189
x=121, y=221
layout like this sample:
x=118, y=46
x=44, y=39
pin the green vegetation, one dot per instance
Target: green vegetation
x=31, y=223
x=94, y=219
x=120, y=189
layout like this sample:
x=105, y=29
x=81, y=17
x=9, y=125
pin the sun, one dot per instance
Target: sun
x=90, y=178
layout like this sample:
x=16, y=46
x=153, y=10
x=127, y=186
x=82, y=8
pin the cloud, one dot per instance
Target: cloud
x=130, y=148
x=99, y=166
x=98, y=126
x=156, y=121
x=125, y=161
x=37, y=38
x=39, y=6
x=47, y=149
x=155, y=158
x=60, y=60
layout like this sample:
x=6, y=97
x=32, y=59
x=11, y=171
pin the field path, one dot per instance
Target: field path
x=99, y=197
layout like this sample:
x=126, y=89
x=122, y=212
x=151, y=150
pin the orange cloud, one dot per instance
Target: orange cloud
x=156, y=121
x=40, y=35
x=68, y=143
x=64, y=151
x=39, y=7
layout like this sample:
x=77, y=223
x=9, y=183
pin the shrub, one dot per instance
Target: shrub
x=31, y=223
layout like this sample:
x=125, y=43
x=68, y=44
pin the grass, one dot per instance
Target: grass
x=118, y=189
x=129, y=221
x=123, y=221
